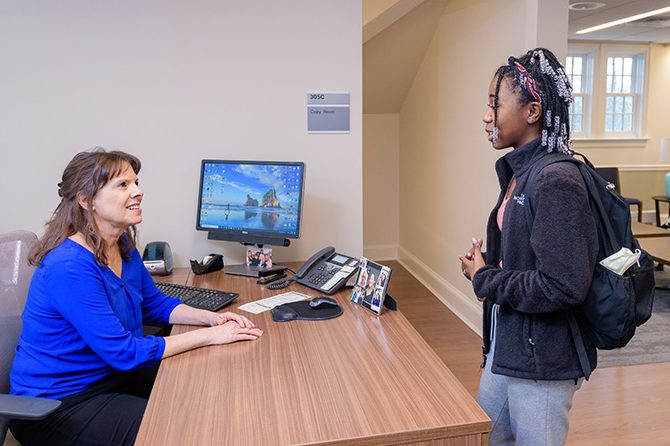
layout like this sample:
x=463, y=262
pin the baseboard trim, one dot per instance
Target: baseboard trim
x=381, y=252
x=463, y=306
x=649, y=216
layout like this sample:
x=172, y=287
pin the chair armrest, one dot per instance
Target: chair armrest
x=631, y=200
x=26, y=407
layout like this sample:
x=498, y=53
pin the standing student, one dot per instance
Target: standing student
x=82, y=340
x=533, y=275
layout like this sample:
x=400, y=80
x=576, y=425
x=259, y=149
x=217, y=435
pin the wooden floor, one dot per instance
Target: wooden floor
x=618, y=406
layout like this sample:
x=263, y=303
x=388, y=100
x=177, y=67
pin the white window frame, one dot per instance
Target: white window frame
x=594, y=134
x=586, y=52
x=638, y=83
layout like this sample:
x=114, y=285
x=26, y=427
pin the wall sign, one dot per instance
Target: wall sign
x=327, y=112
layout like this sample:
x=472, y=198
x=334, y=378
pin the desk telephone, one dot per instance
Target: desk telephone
x=327, y=271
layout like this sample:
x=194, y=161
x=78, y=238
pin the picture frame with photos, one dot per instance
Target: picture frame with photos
x=371, y=284
x=260, y=257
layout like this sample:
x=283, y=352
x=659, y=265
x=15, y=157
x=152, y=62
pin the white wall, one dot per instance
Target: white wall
x=174, y=82
x=447, y=179
x=381, y=188
x=658, y=103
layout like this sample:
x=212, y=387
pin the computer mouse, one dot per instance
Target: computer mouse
x=322, y=302
x=283, y=313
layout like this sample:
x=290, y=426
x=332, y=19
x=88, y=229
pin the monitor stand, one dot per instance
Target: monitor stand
x=252, y=271
x=260, y=268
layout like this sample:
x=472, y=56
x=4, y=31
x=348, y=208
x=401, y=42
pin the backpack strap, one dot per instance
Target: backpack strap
x=588, y=170
x=529, y=188
x=601, y=215
x=579, y=344
x=535, y=169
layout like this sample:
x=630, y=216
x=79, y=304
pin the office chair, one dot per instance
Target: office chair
x=15, y=274
x=611, y=174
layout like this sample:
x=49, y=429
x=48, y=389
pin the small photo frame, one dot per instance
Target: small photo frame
x=371, y=284
x=260, y=257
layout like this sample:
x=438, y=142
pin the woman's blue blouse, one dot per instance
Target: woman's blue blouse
x=82, y=323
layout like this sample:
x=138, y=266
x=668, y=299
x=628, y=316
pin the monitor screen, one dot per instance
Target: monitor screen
x=250, y=198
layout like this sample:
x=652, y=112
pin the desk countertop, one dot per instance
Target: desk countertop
x=356, y=379
x=642, y=230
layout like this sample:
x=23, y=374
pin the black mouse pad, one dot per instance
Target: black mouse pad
x=302, y=310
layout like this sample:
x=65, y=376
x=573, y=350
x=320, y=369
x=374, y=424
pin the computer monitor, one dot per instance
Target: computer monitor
x=251, y=202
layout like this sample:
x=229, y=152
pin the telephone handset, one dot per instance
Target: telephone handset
x=322, y=254
x=327, y=271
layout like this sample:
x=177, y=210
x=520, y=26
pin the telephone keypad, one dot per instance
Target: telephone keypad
x=320, y=277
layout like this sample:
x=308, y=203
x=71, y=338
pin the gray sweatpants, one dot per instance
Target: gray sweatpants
x=525, y=412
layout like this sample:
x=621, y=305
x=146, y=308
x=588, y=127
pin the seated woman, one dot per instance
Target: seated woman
x=82, y=340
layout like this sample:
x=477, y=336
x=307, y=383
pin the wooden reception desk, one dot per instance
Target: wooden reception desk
x=358, y=379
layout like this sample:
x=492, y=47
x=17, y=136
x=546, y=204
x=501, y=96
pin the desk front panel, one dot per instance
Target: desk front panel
x=357, y=379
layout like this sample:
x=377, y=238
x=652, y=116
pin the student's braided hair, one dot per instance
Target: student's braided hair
x=540, y=77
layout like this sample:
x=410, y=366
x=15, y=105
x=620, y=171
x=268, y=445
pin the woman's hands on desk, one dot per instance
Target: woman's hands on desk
x=235, y=328
x=222, y=318
x=183, y=314
x=232, y=331
x=224, y=328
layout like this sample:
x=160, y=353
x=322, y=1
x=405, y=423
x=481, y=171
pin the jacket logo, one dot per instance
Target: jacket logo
x=520, y=199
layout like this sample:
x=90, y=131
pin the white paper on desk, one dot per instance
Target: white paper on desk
x=269, y=303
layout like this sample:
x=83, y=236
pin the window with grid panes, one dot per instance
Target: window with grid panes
x=620, y=99
x=575, y=67
x=609, y=91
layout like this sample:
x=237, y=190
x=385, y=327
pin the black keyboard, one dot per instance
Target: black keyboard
x=204, y=298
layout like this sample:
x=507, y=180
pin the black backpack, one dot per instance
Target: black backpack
x=615, y=305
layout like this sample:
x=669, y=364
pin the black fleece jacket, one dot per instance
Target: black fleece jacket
x=546, y=270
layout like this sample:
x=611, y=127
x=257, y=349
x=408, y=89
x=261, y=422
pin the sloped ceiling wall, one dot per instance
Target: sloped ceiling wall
x=392, y=56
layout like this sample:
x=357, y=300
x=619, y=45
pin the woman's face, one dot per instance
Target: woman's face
x=516, y=122
x=116, y=206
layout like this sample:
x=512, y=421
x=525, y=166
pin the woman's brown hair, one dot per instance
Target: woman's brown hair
x=83, y=177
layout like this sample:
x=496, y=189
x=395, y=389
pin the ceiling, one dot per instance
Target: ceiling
x=396, y=35
x=652, y=29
